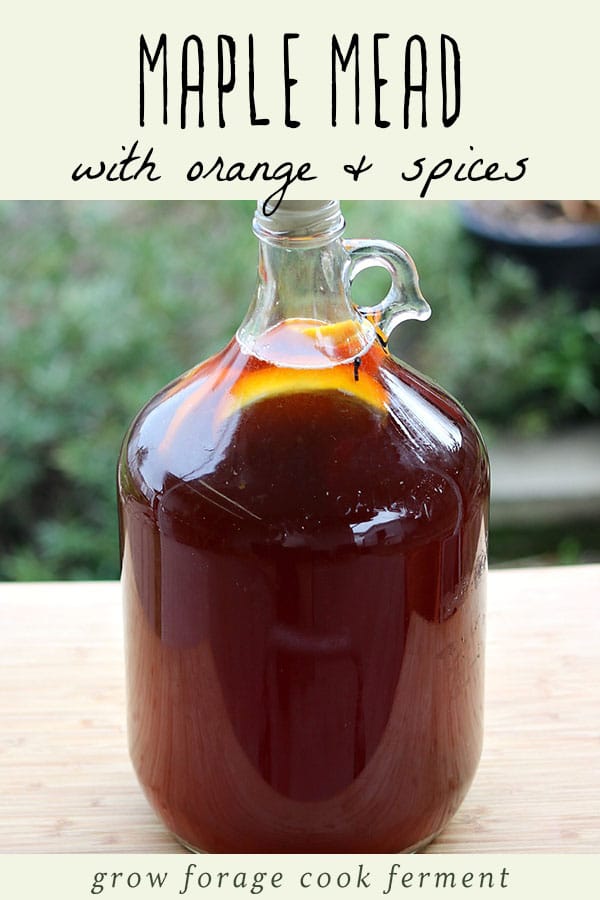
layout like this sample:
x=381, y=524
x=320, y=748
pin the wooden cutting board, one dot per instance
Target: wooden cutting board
x=66, y=784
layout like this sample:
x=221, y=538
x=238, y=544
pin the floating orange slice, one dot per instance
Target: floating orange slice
x=277, y=382
x=337, y=340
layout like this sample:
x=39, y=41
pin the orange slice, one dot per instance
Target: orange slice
x=336, y=339
x=277, y=382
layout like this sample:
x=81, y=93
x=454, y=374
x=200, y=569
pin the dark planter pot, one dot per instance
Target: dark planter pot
x=561, y=252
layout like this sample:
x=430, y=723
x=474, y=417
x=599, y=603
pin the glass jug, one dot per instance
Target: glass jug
x=303, y=534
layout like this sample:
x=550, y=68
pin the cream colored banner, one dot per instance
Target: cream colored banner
x=171, y=877
x=436, y=99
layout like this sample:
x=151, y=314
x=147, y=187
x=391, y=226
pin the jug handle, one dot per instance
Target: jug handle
x=404, y=299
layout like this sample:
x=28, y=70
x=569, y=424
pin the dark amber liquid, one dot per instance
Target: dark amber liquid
x=303, y=565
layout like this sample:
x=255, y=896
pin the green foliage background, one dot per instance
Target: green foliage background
x=101, y=304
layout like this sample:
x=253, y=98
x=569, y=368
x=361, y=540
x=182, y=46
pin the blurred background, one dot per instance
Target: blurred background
x=101, y=304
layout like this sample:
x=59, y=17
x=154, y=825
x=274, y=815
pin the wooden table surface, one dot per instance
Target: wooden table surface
x=66, y=784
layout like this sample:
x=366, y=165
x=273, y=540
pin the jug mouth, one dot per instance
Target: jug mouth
x=298, y=222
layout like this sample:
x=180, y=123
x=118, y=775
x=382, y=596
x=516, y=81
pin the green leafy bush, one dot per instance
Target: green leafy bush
x=516, y=356
x=101, y=304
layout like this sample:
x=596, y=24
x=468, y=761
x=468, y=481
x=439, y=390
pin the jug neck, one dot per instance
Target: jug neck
x=302, y=277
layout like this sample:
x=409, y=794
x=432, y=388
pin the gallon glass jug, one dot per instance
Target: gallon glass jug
x=303, y=532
